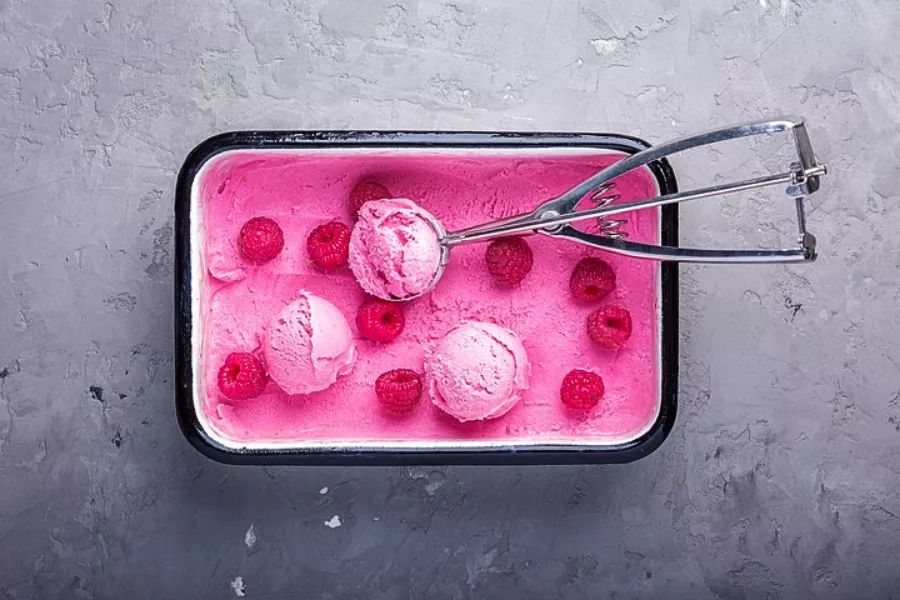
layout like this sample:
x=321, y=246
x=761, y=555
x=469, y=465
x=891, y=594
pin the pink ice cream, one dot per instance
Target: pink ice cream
x=478, y=371
x=394, y=250
x=308, y=345
x=303, y=189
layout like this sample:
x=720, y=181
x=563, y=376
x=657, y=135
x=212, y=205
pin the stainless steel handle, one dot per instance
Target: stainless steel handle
x=556, y=216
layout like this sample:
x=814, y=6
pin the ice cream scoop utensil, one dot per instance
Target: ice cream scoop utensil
x=556, y=216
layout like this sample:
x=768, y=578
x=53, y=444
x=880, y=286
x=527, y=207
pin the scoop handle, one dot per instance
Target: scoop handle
x=555, y=216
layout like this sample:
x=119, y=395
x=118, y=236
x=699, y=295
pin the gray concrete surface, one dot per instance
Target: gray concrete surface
x=781, y=477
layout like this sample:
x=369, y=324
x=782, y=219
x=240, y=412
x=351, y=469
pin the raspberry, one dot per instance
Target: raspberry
x=242, y=376
x=609, y=327
x=328, y=245
x=380, y=320
x=509, y=260
x=260, y=240
x=398, y=390
x=592, y=279
x=581, y=390
x=365, y=191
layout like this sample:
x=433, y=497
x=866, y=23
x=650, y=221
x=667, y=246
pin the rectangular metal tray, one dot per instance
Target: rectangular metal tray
x=206, y=442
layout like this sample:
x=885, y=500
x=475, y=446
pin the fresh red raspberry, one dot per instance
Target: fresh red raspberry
x=380, y=320
x=260, y=240
x=509, y=260
x=399, y=390
x=328, y=245
x=365, y=191
x=242, y=376
x=581, y=390
x=609, y=327
x=592, y=279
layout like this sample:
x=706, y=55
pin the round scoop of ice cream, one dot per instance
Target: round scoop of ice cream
x=308, y=345
x=395, y=252
x=478, y=371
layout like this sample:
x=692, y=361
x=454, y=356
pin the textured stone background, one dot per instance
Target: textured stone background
x=781, y=477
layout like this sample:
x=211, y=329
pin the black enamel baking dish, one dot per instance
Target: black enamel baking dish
x=210, y=444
